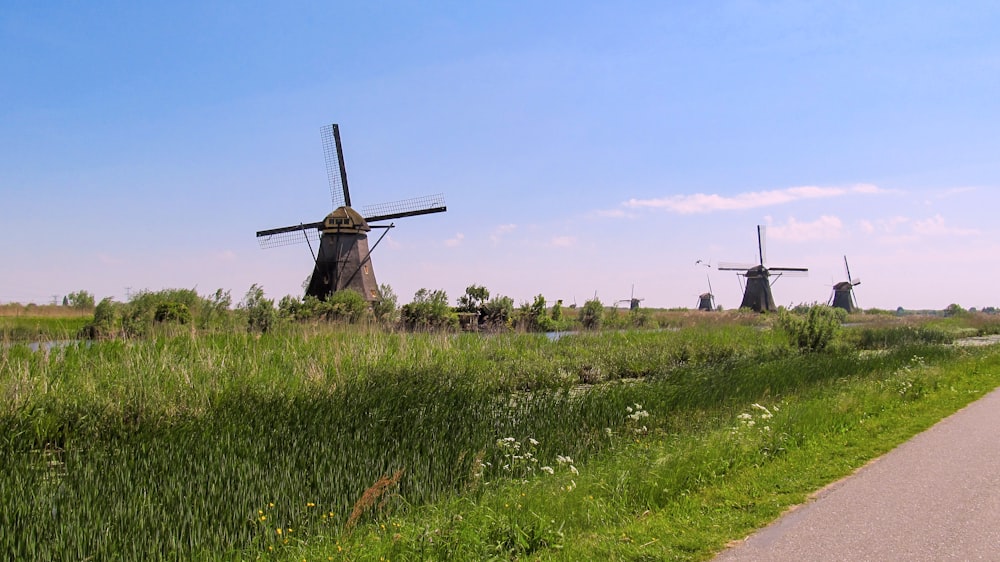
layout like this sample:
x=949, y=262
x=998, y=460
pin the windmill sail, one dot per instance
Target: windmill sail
x=336, y=172
x=405, y=208
x=288, y=235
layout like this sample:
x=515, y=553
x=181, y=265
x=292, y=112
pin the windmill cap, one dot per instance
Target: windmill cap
x=345, y=219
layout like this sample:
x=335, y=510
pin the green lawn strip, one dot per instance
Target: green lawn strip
x=679, y=497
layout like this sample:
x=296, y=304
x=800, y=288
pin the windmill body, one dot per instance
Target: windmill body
x=706, y=301
x=757, y=294
x=343, y=259
x=843, y=292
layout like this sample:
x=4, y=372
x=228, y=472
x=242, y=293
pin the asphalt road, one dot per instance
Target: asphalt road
x=936, y=497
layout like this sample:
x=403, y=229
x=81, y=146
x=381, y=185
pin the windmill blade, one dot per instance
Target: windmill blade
x=288, y=235
x=855, y=282
x=336, y=173
x=405, y=208
x=710, y=291
x=735, y=266
x=789, y=271
x=847, y=269
x=762, y=243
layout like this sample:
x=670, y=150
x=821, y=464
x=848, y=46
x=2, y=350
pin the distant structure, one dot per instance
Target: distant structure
x=344, y=258
x=757, y=292
x=632, y=301
x=706, y=301
x=843, y=292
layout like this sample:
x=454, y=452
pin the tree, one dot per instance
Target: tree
x=80, y=299
x=497, y=313
x=474, y=299
x=590, y=315
x=385, y=307
x=429, y=310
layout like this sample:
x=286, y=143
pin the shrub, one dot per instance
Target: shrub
x=347, y=305
x=429, y=310
x=591, y=314
x=79, y=299
x=384, y=308
x=172, y=312
x=259, y=310
x=813, y=329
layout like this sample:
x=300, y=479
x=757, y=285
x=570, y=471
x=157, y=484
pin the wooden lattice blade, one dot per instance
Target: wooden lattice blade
x=405, y=208
x=288, y=235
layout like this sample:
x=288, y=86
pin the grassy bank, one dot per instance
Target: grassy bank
x=314, y=441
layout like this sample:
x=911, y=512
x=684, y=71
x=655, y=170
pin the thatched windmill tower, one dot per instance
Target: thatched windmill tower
x=757, y=291
x=843, y=292
x=344, y=258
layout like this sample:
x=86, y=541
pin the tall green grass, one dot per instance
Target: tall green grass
x=184, y=447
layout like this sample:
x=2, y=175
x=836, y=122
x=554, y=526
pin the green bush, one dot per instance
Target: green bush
x=259, y=310
x=429, y=310
x=172, y=312
x=591, y=314
x=814, y=329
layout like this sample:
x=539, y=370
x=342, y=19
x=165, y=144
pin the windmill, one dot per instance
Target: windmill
x=843, y=292
x=706, y=301
x=633, y=303
x=344, y=258
x=757, y=293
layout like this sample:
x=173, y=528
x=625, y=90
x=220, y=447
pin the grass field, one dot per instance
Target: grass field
x=314, y=442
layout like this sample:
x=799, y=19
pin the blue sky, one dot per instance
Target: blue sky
x=582, y=147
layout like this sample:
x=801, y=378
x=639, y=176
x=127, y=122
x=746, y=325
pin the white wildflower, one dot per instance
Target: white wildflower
x=548, y=470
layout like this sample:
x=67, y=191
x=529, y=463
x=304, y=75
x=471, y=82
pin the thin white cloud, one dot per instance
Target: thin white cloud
x=935, y=226
x=455, y=241
x=824, y=228
x=563, y=241
x=609, y=214
x=226, y=256
x=708, y=203
x=500, y=231
x=883, y=226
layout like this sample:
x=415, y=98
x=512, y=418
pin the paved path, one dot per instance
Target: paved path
x=936, y=497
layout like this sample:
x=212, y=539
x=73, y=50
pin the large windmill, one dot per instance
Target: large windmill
x=757, y=293
x=343, y=260
x=843, y=292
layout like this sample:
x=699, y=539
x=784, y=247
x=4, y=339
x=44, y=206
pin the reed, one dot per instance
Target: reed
x=214, y=446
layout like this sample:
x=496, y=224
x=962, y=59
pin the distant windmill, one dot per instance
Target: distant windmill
x=344, y=259
x=757, y=293
x=633, y=303
x=706, y=301
x=843, y=292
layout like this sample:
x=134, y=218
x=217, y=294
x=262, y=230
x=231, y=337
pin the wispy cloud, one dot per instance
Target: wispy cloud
x=709, y=203
x=563, y=241
x=824, y=228
x=883, y=226
x=500, y=231
x=935, y=226
x=455, y=240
